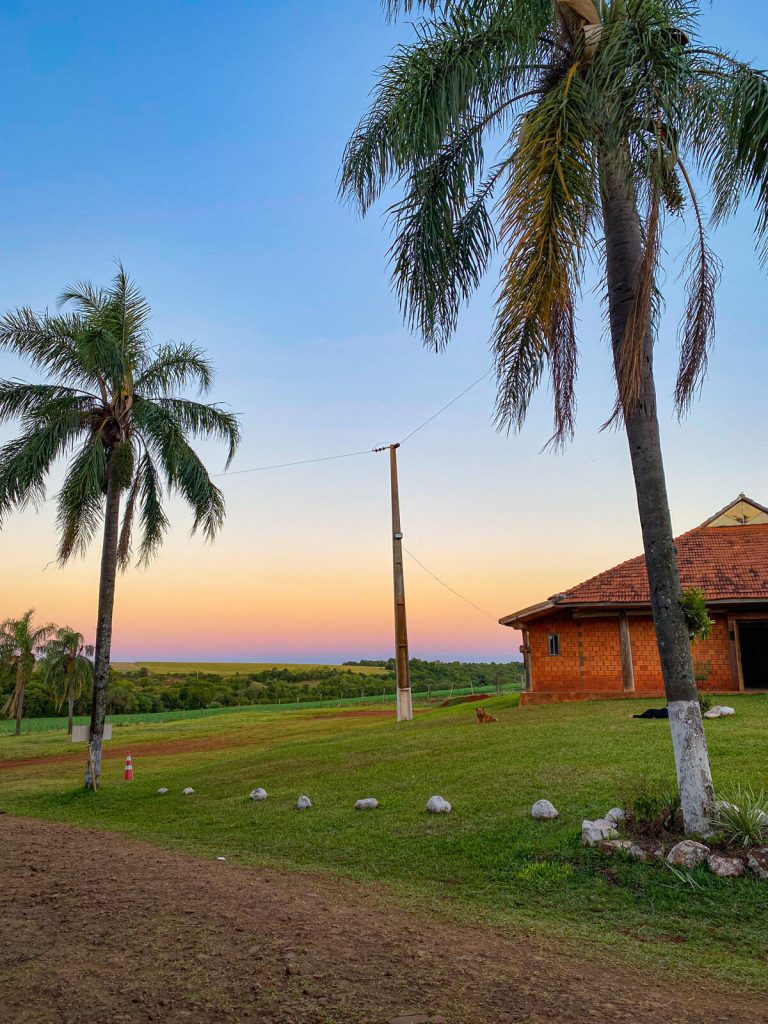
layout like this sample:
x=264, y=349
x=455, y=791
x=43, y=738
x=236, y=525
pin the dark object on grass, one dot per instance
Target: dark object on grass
x=654, y=713
x=483, y=716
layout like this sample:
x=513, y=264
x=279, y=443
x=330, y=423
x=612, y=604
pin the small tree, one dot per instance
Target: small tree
x=114, y=409
x=67, y=668
x=19, y=643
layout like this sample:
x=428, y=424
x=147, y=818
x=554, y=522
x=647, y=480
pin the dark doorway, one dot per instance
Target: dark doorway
x=753, y=641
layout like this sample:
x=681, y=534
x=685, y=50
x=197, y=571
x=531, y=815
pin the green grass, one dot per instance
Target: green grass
x=297, y=703
x=486, y=861
x=230, y=668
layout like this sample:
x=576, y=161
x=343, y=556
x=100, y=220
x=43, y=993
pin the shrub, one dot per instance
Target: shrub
x=742, y=818
x=696, y=615
x=705, y=702
x=657, y=811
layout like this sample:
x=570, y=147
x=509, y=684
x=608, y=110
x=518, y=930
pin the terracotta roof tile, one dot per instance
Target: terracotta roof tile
x=726, y=562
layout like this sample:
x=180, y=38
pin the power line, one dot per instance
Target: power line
x=364, y=451
x=442, y=583
x=300, y=462
x=447, y=406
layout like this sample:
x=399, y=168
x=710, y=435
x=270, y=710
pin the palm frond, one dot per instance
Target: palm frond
x=38, y=402
x=698, y=324
x=546, y=213
x=192, y=481
x=81, y=499
x=124, y=544
x=153, y=520
x=26, y=461
x=463, y=66
x=49, y=342
x=727, y=130
x=197, y=419
x=174, y=367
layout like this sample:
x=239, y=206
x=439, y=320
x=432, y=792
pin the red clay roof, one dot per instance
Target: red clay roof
x=726, y=562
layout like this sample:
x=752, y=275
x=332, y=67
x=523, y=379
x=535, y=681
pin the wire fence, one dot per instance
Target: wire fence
x=32, y=725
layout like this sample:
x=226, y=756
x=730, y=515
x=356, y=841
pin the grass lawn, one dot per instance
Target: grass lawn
x=488, y=860
x=230, y=668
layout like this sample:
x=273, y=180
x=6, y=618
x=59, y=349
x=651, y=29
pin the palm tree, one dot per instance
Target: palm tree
x=565, y=133
x=66, y=668
x=19, y=643
x=114, y=409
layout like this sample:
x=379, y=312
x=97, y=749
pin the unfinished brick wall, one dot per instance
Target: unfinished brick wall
x=590, y=655
x=711, y=657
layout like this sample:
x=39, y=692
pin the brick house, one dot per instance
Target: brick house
x=597, y=639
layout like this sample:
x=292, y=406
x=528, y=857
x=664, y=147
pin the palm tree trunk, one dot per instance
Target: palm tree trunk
x=21, y=684
x=624, y=251
x=104, y=628
x=71, y=710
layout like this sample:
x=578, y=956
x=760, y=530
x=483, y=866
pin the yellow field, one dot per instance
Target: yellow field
x=229, y=668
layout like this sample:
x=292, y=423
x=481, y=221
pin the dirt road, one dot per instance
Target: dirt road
x=95, y=927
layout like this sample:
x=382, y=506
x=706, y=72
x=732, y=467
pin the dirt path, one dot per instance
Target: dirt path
x=97, y=927
x=163, y=748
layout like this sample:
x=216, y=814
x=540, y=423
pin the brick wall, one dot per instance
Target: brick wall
x=590, y=656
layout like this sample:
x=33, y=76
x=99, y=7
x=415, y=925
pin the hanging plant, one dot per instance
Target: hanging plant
x=696, y=615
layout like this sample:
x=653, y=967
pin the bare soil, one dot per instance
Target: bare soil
x=96, y=927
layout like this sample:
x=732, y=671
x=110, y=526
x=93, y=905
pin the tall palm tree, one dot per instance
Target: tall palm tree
x=67, y=668
x=566, y=133
x=19, y=644
x=114, y=409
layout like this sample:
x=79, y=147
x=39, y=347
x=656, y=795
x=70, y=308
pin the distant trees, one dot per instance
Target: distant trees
x=113, y=407
x=67, y=669
x=20, y=642
x=140, y=692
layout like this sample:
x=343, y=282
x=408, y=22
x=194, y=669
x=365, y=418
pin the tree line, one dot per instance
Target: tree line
x=60, y=681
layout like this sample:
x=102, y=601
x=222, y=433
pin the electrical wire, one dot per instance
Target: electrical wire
x=299, y=462
x=442, y=583
x=365, y=451
x=447, y=406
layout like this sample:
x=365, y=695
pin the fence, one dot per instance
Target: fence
x=30, y=725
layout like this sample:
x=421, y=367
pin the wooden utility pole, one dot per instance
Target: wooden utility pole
x=402, y=671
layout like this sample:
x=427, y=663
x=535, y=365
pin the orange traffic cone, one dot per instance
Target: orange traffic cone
x=128, y=773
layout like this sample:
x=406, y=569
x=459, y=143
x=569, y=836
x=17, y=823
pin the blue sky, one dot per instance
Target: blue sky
x=200, y=143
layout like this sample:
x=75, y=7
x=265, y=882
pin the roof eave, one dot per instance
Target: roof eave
x=517, y=619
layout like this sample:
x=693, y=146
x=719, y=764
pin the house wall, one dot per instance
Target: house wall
x=590, y=655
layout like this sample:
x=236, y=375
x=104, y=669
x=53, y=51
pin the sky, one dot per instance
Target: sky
x=200, y=143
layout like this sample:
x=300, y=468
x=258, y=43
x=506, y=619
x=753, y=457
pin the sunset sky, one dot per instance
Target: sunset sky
x=200, y=143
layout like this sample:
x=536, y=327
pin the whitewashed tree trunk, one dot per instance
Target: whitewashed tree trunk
x=624, y=252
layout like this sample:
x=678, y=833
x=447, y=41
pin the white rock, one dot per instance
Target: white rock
x=188, y=791
x=437, y=805
x=757, y=861
x=221, y=858
x=719, y=711
x=258, y=794
x=616, y=814
x=725, y=805
x=725, y=867
x=303, y=803
x=594, y=832
x=543, y=810
x=162, y=791
x=368, y=803
x=688, y=854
